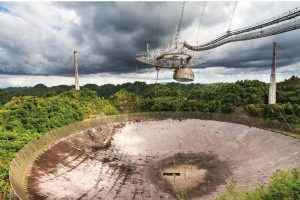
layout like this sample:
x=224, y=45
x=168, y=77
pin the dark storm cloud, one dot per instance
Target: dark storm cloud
x=120, y=30
x=107, y=35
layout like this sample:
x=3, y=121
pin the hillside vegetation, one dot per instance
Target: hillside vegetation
x=251, y=96
x=26, y=113
x=282, y=186
x=25, y=118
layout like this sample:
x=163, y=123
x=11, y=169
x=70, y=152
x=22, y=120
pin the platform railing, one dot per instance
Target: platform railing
x=22, y=163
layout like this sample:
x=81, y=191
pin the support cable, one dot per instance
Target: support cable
x=188, y=95
x=232, y=17
x=203, y=8
x=254, y=31
x=286, y=53
x=157, y=24
x=190, y=11
x=179, y=25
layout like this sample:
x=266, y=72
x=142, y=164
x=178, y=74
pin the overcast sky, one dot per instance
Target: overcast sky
x=37, y=40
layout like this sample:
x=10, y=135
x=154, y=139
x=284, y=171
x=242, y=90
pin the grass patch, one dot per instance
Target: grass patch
x=283, y=185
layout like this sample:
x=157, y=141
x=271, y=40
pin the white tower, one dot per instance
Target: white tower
x=76, y=70
x=272, y=89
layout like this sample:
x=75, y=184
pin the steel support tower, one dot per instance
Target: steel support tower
x=272, y=89
x=76, y=71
